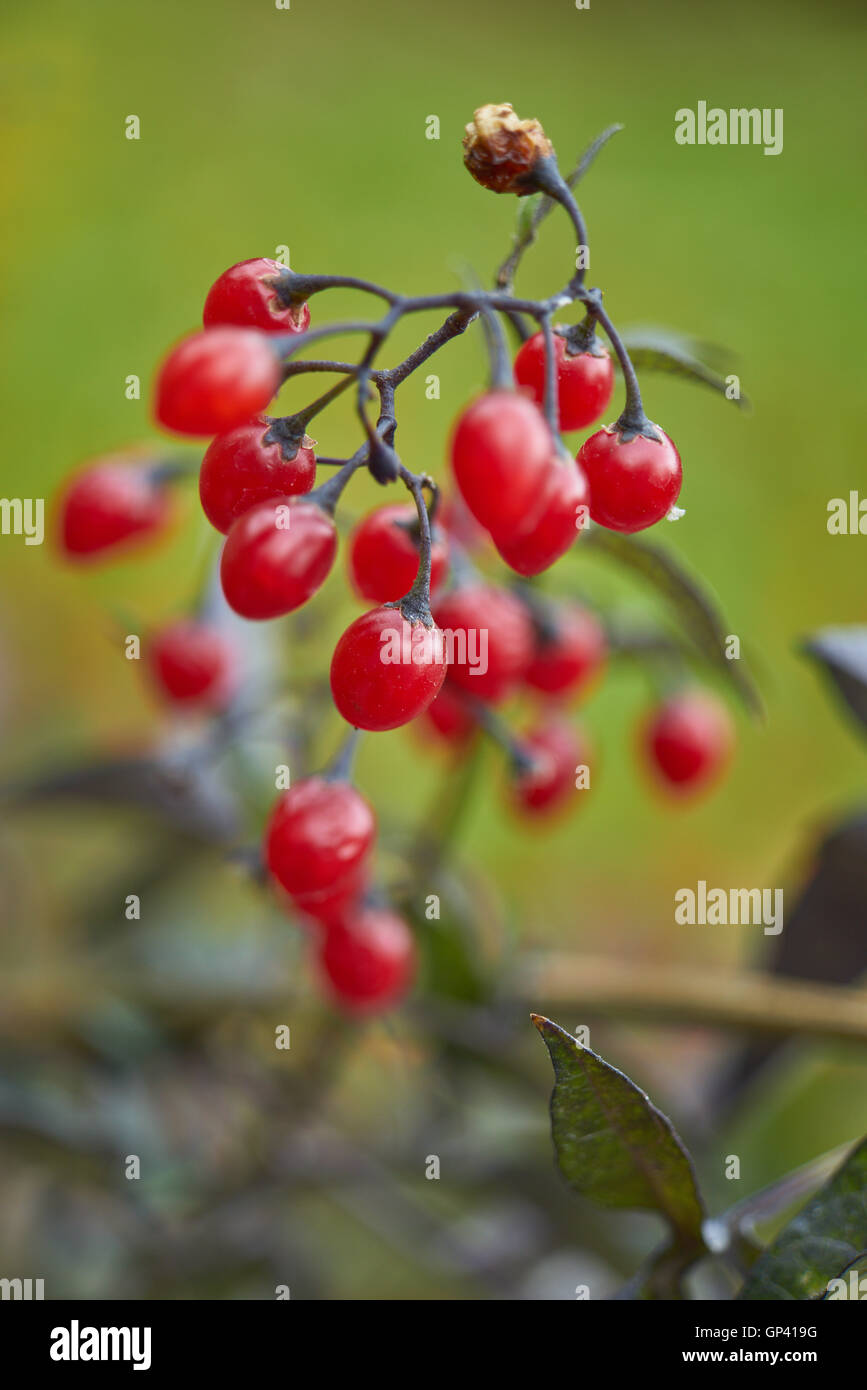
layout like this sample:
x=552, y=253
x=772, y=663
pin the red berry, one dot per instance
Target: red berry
x=110, y=505
x=317, y=840
x=500, y=451
x=564, y=498
x=570, y=652
x=689, y=741
x=330, y=905
x=244, y=467
x=383, y=554
x=241, y=297
x=193, y=664
x=489, y=640
x=214, y=381
x=584, y=381
x=633, y=484
x=556, y=754
x=449, y=716
x=276, y=555
x=386, y=669
x=368, y=959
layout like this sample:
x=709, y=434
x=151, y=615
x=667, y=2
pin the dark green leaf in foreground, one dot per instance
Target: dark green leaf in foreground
x=695, y=608
x=826, y=1236
x=661, y=350
x=612, y=1144
x=842, y=651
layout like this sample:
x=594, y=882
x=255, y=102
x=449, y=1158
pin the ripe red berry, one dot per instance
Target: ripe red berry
x=564, y=498
x=500, y=451
x=241, y=296
x=276, y=556
x=490, y=640
x=368, y=959
x=110, y=505
x=215, y=380
x=585, y=380
x=317, y=840
x=689, y=741
x=247, y=466
x=549, y=782
x=570, y=652
x=633, y=483
x=384, y=554
x=193, y=664
x=449, y=715
x=386, y=669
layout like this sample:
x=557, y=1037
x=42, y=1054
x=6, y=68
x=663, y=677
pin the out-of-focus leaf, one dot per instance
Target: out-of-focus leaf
x=662, y=350
x=695, y=608
x=613, y=1145
x=819, y=942
x=828, y=1234
x=183, y=789
x=842, y=652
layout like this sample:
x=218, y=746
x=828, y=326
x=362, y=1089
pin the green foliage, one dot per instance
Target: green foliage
x=612, y=1143
x=826, y=1236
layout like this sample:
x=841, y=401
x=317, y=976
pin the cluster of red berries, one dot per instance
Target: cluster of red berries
x=514, y=482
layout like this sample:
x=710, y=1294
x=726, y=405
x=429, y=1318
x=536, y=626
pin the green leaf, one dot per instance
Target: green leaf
x=842, y=652
x=695, y=608
x=613, y=1145
x=828, y=1234
x=660, y=350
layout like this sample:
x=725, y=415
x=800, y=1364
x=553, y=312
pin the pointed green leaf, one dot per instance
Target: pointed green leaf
x=695, y=608
x=612, y=1144
x=827, y=1235
x=659, y=350
x=842, y=651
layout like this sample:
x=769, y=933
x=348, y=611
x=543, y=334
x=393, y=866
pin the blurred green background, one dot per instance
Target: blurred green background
x=306, y=127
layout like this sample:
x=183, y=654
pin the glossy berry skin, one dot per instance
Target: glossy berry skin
x=553, y=531
x=632, y=485
x=214, y=381
x=317, y=839
x=194, y=665
x=110, y=506
x=476, y=614
x=276, y=556
x=549, y=783
x=568, y=655
x=241, y=468
x=241, y=297
x=585, y=381
x=688, y=741
x=500, y=452
x=368, y=960
x=383, y=554
x=374, y=692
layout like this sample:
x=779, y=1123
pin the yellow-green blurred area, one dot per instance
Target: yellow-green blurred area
x=306, y=127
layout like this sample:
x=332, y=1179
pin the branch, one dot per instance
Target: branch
x=743, y=1000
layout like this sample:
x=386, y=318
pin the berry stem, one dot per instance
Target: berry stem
x=340, y=767
x=633, y=420
x=552, y=405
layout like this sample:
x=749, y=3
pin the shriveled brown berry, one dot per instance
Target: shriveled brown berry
x=501, y=151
